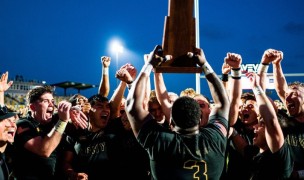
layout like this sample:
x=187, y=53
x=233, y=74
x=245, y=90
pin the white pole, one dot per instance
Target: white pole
x=196, y=16
x=116, y=67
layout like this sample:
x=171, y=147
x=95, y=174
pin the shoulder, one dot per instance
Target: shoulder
x=152, y=132
x=27, y=126
x=24, y=123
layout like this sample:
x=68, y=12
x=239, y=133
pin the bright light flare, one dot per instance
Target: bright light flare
x=116, y=47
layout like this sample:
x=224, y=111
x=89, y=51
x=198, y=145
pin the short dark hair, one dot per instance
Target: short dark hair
x=97, y=98
x=248, y=96
x=186, y=112
x=296, y=84
x=35, y=94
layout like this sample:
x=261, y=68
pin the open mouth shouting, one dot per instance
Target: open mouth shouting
x=11, y=133
x=105, y=115
x=291, y=107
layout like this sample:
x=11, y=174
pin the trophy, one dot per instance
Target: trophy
x=179, y=38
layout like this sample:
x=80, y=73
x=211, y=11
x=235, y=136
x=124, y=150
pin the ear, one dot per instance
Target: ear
x=32, y=107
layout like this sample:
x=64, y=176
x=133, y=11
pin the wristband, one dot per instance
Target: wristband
x=60, y=126
x=224, y=77
x=207, y=69
x=263, y=68
x=129, y=85
x=257, y=90
x=236, y=73
x=147, y=69
x=105, y=71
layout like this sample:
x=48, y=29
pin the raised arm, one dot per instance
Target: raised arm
x=45, y=145
x=162, y=95
x=273, y=132
x=127, y=74
x=135, y=110
x=275, y=56
x=104, y=85
x=216, y=87
x=4, y=85
x=225, y=76
x=234, y=61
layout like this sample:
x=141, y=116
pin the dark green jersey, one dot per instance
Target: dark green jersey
x=294, y=137
x=95, y=153
x=270, y=166
x=176, y=156
x=40, y=167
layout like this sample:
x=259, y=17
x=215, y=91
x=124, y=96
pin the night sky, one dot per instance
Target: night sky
x=63, y=40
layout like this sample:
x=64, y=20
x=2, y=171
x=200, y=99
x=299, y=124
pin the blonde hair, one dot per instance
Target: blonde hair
x=190, y=92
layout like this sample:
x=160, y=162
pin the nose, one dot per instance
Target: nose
x=52, y=103
x=288, y=97
x=12, y=123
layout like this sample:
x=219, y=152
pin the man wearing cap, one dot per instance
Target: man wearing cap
x=7, y=126
x=7, y=132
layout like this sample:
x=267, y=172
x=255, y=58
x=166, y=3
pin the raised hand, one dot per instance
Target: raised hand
x=105, y=60
x=233, y=60
x=199, y=56
x=272, y=55
x=79, y=119
x=126, y=73
x=4, y=85
x=64, y=110
x=254, y=79
x=155, y=57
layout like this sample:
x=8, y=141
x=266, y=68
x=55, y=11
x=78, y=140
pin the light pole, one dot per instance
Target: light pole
x=196, y=15
x=117, y=48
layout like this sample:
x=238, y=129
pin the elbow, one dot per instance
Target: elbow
x=224, y=104
x=131, y=107
x=45, y=154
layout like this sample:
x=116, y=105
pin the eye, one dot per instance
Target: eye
x=250, y=106
x=202, y=105
x=98, y=106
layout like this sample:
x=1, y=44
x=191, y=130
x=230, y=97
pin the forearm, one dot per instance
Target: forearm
x=162, y=94
x=235, y=98
x=160, y=87
x=44, y=146
x=262, y=72
x=135, y=99
x=219, y=95
x=116, y=99
x=135, y=102
x=279, y=81
x=273, y=132
x=104, y=85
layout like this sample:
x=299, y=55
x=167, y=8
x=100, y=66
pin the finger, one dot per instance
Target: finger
x=5, y=76
x=82, y=123
x=10, y=83
x=83, y=116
